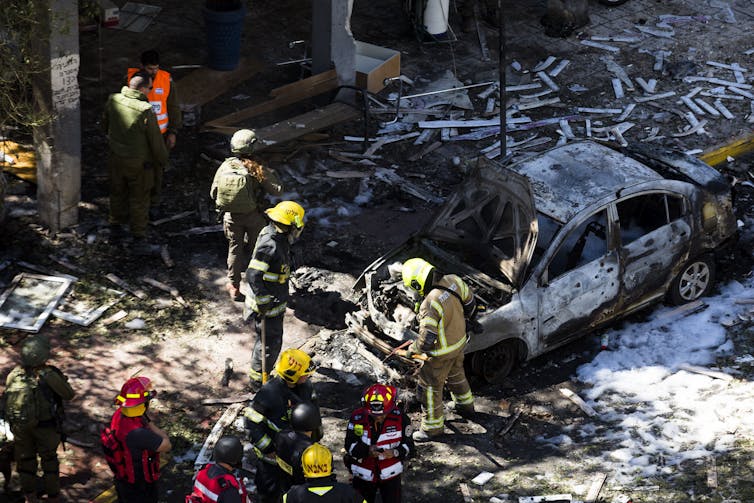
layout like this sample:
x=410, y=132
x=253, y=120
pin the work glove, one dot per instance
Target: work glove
x=412, y=350
x=474, y=327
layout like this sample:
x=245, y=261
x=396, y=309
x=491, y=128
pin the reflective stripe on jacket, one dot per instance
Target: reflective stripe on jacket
x=268, y=273
x=209, y=488
x=442, y=326
x=391, y=436
x=158, y=96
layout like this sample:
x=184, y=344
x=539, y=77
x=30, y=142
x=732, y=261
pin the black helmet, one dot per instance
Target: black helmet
x=305, y=417
x=228, y=450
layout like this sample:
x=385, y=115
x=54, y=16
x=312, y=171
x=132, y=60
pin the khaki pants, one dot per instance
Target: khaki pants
x=433, y=376
x=30, y=442
x=130, y=184
x=241, y=230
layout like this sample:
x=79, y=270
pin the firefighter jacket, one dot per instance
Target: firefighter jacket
x=290, y=447
x=322, y=490
x=270, y=412
x=164, y=100
x=442, y=323
x=391, y=436
x=123, y=464
x=268, y=273
x=131, y=128
x=214, y=483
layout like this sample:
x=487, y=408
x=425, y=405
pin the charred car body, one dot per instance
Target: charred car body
x=562, y=243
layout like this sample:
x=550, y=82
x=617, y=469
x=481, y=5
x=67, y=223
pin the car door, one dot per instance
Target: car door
x=655, y=234
x=579, y=287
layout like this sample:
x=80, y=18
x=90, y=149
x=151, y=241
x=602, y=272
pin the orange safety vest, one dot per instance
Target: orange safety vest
x=158, y=96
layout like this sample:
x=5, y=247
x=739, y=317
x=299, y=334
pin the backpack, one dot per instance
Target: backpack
x=233, y=188
x=23, y=399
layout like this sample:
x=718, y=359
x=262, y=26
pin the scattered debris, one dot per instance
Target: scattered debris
x=30, y=300
x=509, y=424
x=136, y=324
x=86, y=315
x=178, y=216
x=165, y=288
x=465, y=493
x=115, y=317
x=588, y=410
x=121, y=283
x=205, y=454
x=598, y=481
x=704, y=371
x=482, y=478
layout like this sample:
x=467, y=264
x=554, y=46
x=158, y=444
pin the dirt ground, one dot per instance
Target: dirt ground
x=184, y=349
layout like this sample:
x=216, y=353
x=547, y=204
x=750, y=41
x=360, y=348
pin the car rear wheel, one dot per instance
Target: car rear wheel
x=694, y=281
x=495, y=363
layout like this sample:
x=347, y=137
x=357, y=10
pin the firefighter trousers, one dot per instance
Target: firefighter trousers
x=274, y=340
x=433, y=376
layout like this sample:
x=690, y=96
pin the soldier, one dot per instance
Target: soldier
x=136, y=147
x=33, y=407
x=269, y=413
x=320, y=485
x=267, y=275
x=238, y=189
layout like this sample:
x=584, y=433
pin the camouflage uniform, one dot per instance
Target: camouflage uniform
x=136, y=147
x=42, y=438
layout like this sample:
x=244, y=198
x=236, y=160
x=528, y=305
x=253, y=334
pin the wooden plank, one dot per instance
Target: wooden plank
x=298, y=126
x=736, y=148
x=217, y=431
x=300, y=85
x=578, y=401
x=274, y=104
x=465, y=493
x=704, y=371
x=204, y=84
x=598, y=481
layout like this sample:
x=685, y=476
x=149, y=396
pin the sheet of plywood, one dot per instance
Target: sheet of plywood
x=303, y=90
x=295, y=87
x=204, y=84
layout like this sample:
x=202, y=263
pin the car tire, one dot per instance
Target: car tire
x=612, y=3
x=496, y=362
x=694, y=281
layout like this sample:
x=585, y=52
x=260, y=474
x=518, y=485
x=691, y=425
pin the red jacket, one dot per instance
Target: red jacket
x=392, y=436
x=209, y=489
x=123, y=462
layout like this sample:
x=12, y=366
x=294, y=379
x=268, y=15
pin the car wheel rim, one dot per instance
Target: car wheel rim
x=694, y=281
x=497, y=362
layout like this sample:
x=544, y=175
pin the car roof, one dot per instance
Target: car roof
x=566, y=179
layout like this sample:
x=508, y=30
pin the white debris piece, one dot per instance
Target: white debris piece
x=587, y=110
x=482, y=478
x=694, y=122
x=726, y=66
x=548, y=81
x=692, y=106
x=565, y=128
x=618, y=136
x=588, y=127
x=490, y=108
x=618, y=38
x=707, y=107
x=598, y=45
x=723, y=110
x=484, y=94
x=536, y=104
x=516, y=65
x=712, y=80
x=445, y=134
x=548, y=497
x=523, y=87
x=618, y=71
x=721, y=96
x=617, y=88
x=423, y=137
x=749, y=52
x=626, y=112
x=136, y=324
x=648, y=86
x=742, y=92
x=653, y=97
x=535, y=96
x=578, y=401
x=559, y=68
x=655, y=32
x=544, y=64
x=691, y=130
x=459, y=123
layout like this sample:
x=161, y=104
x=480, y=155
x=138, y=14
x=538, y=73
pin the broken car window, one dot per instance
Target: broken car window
x=585, y=243
x=547, y=230
x=642, y=214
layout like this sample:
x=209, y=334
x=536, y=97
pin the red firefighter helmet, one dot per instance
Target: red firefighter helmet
x=134, y=395
x=380, y=399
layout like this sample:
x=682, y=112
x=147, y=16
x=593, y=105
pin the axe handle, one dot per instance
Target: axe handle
x=422, y=356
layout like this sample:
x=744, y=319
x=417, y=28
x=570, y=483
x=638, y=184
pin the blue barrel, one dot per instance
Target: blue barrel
x=224, y=37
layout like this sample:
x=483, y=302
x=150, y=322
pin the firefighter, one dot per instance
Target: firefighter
x=320, y=485
x=33, y=408
x=216, y=483
x=305, y=429
x=269, y=413
x=447, y=302
x=133, y=444
x=378, y=440
x=267, y=275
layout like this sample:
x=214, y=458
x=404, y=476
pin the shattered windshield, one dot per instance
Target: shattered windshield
x=548, y=228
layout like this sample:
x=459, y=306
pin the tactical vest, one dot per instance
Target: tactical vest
x=158, y=96
x=234, y=189
x=118, y=455
x=208, y=490
x=390, y=436
x=26, y=405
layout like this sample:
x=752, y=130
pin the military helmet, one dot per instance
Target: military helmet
x=293, y=364
x=35, y=351
x=305, y=417
x=316, y=461
x=228, y=450
x=415, y=273
x=287, y=213
x=243, y=142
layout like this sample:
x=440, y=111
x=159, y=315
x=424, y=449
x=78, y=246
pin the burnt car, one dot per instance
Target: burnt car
x=560, y=244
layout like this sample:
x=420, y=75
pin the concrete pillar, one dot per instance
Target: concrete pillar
x=332, y=40
x=58, y=143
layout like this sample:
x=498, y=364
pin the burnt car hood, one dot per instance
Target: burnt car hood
x=492, y=214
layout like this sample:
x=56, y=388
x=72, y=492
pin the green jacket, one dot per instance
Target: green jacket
x=132, y=129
